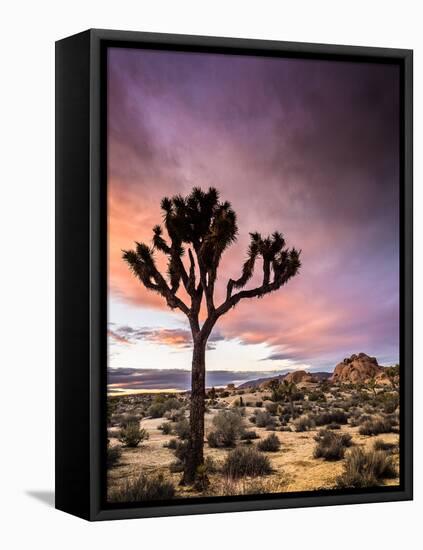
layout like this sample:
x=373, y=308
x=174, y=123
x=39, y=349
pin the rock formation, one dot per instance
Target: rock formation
x=357, y=369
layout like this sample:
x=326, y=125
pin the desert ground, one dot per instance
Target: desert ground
x=266, y=439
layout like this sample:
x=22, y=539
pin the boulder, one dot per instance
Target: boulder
x=357, y=369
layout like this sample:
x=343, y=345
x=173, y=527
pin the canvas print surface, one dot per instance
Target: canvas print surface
x=253, y=275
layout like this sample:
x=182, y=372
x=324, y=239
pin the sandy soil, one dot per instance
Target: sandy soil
x=295, y=468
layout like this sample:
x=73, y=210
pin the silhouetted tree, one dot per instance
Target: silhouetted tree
x=202, y=227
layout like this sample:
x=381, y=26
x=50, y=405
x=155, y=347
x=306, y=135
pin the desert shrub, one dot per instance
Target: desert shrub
x=303, y=423
x=259, y=404
x=329, y=446
x=166, y=428
x=246, y=461
x=132, y=435
x=171, y=444
x=225, y=394
x=346, y=439
x=214, y=440
x=113, y=455
x=174, y=415
x=127, y=419
x=247, y=435
x=380, y=445
x=143, y=488
x=228, y=426
x=316, y=396
x=366, y=469
x=285, y=429
x=263, y=418
x=159, y=407
x=376, y=426
x=182, y=428
x=298, y=396
x=337, y=416
x=270, y=444
x=333, y=426
x=272, y=408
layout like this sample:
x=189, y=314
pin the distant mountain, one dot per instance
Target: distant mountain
x=293, y=376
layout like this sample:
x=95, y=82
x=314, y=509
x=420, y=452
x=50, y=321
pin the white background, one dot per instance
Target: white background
x=27, y=37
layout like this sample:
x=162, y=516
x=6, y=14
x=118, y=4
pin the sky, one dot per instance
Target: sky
x=306, y=147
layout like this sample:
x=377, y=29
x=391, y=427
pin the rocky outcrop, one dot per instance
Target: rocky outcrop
x=300, y=376
x=357, y=369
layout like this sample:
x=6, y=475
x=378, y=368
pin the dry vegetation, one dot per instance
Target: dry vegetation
x=317, y=436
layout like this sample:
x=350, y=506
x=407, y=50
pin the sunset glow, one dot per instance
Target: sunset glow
x=305, y=147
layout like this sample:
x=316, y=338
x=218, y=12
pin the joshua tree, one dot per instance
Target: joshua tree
x=393, y=373
x=202, y=227
x=289, y=389
x=372, y=385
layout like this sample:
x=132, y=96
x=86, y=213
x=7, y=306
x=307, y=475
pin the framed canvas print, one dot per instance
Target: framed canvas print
x=234, y=274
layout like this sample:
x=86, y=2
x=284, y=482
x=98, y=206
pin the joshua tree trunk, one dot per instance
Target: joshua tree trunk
x=196, y=440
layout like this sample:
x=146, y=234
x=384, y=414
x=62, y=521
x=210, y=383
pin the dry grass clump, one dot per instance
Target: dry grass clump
x=270, y=444
x=366, y=469
x=246, y=461
x=143, y=488
x=331, y=446
x=303, y=423
x=263, y=419
x=337, y=417
x=376, y=426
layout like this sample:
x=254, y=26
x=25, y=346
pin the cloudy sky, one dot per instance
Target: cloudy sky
x=305, y=147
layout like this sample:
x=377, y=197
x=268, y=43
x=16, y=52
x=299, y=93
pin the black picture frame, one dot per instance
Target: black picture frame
x=81, y=281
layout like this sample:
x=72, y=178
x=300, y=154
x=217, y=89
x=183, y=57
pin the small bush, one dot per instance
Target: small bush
x=337, y=417
x=171, y=444
x=375, y=426
x=144, y=488
x=113, y=455
x=303, y=423
x=132, y=435
x=160, y=406
x=366, y=469
x=263, y=419
x=166, y=428
x=333, y=426
x=229, y=425
x=272, y=408
x=259, y=404
x=330, y=445
x=245, y=461
x=174, y=415
x=182, y=428
x=270, y=444
x=247, y=435
x=129, y=419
